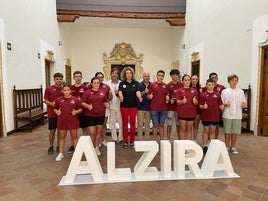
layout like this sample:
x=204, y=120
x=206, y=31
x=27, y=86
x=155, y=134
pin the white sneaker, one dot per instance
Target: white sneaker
x=234, y=151
x=59, y=157
x=97, y=151
x=104, y=143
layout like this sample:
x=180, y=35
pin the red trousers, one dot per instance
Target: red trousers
x=128, y=115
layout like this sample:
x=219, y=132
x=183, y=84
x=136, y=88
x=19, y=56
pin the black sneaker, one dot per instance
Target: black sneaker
x=50, y=150
x=121, y=142
x=70, y=150
x=205, y=149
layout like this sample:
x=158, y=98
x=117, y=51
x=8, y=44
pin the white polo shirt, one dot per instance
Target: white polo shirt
x=115, y=102
x=235, y=97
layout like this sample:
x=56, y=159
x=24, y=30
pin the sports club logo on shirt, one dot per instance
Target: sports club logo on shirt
x=124, y=86
x=81, y=90
x=133, y=85
x=62, y=101
x=215, y=96
x=72, y=102
x=102, y=94
x=192, y=91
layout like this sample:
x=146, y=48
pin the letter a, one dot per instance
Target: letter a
x=91, y=165
x=217, y=159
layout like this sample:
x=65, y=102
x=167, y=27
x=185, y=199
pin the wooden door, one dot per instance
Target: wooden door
x=47, y=72
x=68, y=74
x=263, y=110
x=1, y=99
x=195, y=70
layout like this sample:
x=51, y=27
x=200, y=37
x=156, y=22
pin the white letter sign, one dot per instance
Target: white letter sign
x=216, y=164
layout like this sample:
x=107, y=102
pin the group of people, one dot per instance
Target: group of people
x=181, y=102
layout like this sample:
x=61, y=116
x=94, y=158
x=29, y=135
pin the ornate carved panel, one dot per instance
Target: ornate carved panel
x=195, y=56
x=50, y=56
x=123, y=54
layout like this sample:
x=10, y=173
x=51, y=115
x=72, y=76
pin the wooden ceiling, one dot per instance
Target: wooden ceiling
x=173, y=11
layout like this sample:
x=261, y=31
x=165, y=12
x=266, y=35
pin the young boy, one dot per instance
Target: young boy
x=158, y=94
x=172, y=115
x=67, y=107
x=234, y=101
x=51, y=94
x=210, y=103
x=78, y=89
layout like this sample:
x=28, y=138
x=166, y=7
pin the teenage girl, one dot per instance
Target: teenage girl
x=67, y=108
x=187, y=100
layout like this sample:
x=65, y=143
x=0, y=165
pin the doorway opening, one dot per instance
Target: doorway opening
x=263, y=94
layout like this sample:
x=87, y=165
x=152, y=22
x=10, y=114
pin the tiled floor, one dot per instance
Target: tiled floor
x=27, y=172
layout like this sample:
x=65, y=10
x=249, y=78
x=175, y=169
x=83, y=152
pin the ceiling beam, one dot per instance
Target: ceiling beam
x=174, y=19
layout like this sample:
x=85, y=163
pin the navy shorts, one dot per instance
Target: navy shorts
x=94, y=121
x=52, y=123
x=81, y=119
x=208, y=123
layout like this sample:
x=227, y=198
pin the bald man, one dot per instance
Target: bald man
x=143, y=114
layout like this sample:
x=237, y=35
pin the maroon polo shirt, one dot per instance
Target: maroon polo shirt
x=188, y=109
x=213, y=100
x=160, y=91
x=66, y=121
x=97, y=98
x=51, y=94
x=172, y=89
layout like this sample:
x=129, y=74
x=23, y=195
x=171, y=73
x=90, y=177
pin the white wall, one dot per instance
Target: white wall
x=224, y=29
x=26, y=24
x=85, y=41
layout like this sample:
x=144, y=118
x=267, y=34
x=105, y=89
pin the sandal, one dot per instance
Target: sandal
x=132, y=145
x=125, y=146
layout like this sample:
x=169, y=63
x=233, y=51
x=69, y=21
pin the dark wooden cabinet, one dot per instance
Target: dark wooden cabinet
x=246, y=111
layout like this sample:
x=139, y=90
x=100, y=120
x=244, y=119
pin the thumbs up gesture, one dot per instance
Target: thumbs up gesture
x=195, y=101
x=90, y=107
x=243, y=104
x=73, y=112
x=205, y=105
x=167, y=98
x=146, y=90
x=115, y=90
x=184, y=100
x=228, y=104
x=58, y=112
x=106, y=104
x=53, y=103
x=150, y=96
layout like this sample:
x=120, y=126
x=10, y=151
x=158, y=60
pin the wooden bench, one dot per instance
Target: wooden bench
x=246, y=111
x=28, y=108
